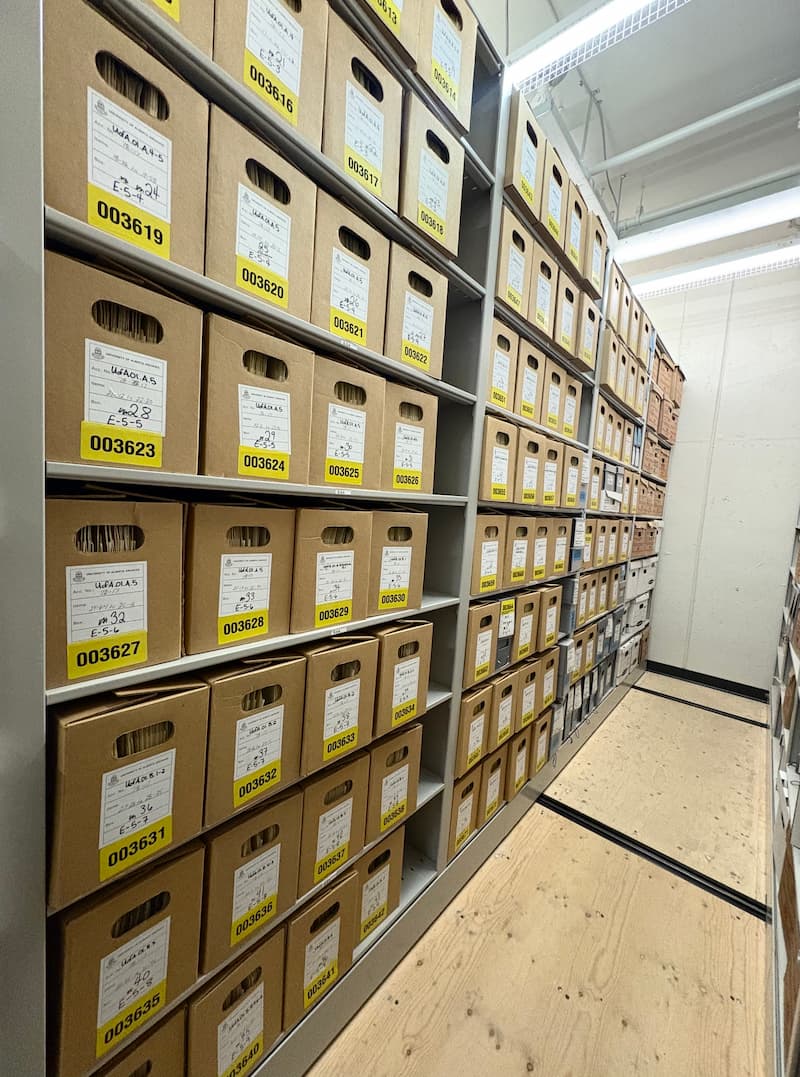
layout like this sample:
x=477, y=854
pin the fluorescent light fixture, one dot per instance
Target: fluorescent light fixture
x=758, y=213
x=603, y=27
x=765, y=261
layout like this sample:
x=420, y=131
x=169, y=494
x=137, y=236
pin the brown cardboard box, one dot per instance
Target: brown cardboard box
x=254, y=732
x=145, y=137
x=540, y=738
x=625, y=540
x=530, y=382
x=473, y=728
x=595, y=482
x=634, y=326
x=542, y=548
x=594, y=267
x=627, y=443
x=565, y=332
x=346, y=426
x=517, y=764
x=404, y=664
x=493, y=785
x=623, y=358
x=578, y=642
x=627, y=489
x=553, y=471
x=341, y=675
x=276, y=51
x=334, y=816
x=503, y=371
x=332, y=549
x=480, y=652
x=140, y=791
x=548, y=680
x=514, y=263
x=397, y=561
x=562, y=531
x=645, y=333
x=260, y=230
x=594, y=594
x=571, y=480
x=576, y=233
x=463, y=821
x=588, y=332
x=123, y=973
x=139, y=559
x=518, y=557
x=600, y=421
x=529, y=471
x=544, y=290
x=588, y=544
x=256, y=404
x=583, y=600
x=554, y=396
x=641, y=390
x=601, y=543
x=526, y=626
x=159, y=1053
x=431, y=175
x=319, y=947
x=122, y=371
x=399, y=23
x=363, y=114
x=235, y=1019
x=491, y=530
x=232, y=594
x=624, y=313
x=555, y=195
x=549, y=617
x=351, y=274
x=251, y=876
x=498, y=460
x=394, y=764
x=524, y=156
x=589, y=649
x=678, y=379
x=504, y=707
x=633, y=378
x=613, y=583
x=664, y=373
x=635, y=494
x=380, y=873
x=614, y=297
x=416, y=308
x=654, y=402
x=572, y=408
x=448, y=33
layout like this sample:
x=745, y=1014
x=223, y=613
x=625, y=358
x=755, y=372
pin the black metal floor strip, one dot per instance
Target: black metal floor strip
x=702, y=707
x=625, y=841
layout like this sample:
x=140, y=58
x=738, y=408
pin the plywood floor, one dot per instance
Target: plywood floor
x=709, y=697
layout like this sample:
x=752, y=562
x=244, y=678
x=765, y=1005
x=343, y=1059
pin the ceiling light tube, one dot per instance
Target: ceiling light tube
x=765, y=261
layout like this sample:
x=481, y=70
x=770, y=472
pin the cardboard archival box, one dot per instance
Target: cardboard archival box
x=595, y=482
x=132, y=163
x=127, y=953
x=431, y=175
x=351, y=273
x=588, y=331
x=559, y=550
x=645, y=333
x=544, y=291
x=540, y=743
x=159, y=1053
x=565, y=332
x=275, y=48
x=571, y=418
x=498, y=460
x=530, y=382
x=331, y=567
x=397, y=561
x=503, y=372
x=130, y=767
x=491, y=530
x=398, y=22
x=493, y=784
x=114, y=586
x=633, y=379
x=254, y=735
x=251, y=876
x=555, y=196
x=678, y=380
x=195, y=21
x=122, y=371
x=473, y=728
x=394, y=765
x=256, y=404
x=594, y=595
x=549, y=617
x=448, y=33
x=542, y=548
x=619, y=424
x=260, y=231
x=594, y=266
x=623, y=358
x=514, y=263
x=627, y=489
x=346, y=426
x=529, y=470
x=601, y=543
x=634, y=326
x=380, y=874
x=518, y=557
x=362, y=115
x=627, y=442
x=571, y=479
x=464, y=817
x=526, y=625
x=576, y=232
x=589, y=656
x=341, y=675
x=517, y=764
x=525, y=156
x=319, y=947
x=234, y=1020
x=554, y=397
x=238, y=575
x=481, y=649
x=334, y=819
x=602, y=591
x=600, y=421
x=416, y=308
x=409, y=439
x=553, y=471
x=588, y=544
x=624, y=315
x=504, y=707
x=625, y=540
x=614, y=297
x=548, y=680
x=404, y=663
x=582, y=611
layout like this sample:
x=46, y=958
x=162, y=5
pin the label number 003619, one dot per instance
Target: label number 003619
x=129, y=221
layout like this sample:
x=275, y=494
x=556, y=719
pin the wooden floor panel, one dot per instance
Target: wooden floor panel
x=708, y=697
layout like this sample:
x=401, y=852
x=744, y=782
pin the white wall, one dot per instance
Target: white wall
x=734, y=484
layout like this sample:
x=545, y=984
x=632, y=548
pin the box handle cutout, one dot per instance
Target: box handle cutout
x=127, y=322
x=479, y=707
x=496, y=766
x=345, y=670
x=337, y=536
x=590, y=314
x=467, y=790
x=554, y=377
x=569, y=295
x=412, y=412
x=408, y=649
x=509, y=688
x=545, y=270
x=552, y=454
x=267, y=181
x=324, y=918
x=517, y=240
x=571, y=390
x=259, y=698
x=397, y=756
x=109, y=538
x=338, y=792
x=142, y=740
x=437, y=147
x=144, y=1070
x=491, y=532
x=355, y=244
x=265, y=366
x=420, y=284
x=242, y=988
x=134, y=917
x=132, y=85
x=247, y=535
x=365, y=78
x=501, y=438
x=452, y=12
x=532, y=361
x=533, y=447
x=486, y=620
x=521, y=532
x=541, y=532
x=557, y=176
x=531, y=133
x=503, y=343
x=528, y=607
x=349, y=393
x=257, y=841
x=379, y=861
x=530, y=677
x=399, y=534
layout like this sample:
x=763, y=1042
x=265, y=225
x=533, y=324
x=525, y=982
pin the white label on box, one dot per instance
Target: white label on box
x=394, y=790
x=628, y=448
x=256, y=882
x=550, y=476
x=528, y=700
x=571, y=657
x=543, y=292
x=569, y=413
x=500, y=373
x=530, y=473
x=463, y=820
x=507, y=618
x=322, y=953
x=124, y=388
x=520, y=766
x=334, y=577
x=263, y=232
x=349, y=285
x=541, y=748
x=418, y=322
x=527, y=168
x=493, y=791
x=475, y=741
x=516, y=275
x=375, y=895
x=609, y=437
x=483, y=648
x=259, y=739
x=582, y=606
x=530, y=383
x=406, y=682
x=409, y=447
x=276, y=39
x=567, y=323
x=240, y=1030
x=561, y=554
x=127, y=158
x=519, y=555
x=550, y=622
x=597, y=261
x=244, y=582
x=341, y=709
x=434, y=182
x=553, y=402
x=574, y=236
x=395, y=568
x=588, y=339
x=446, y=50
x=334, y=827
x=265, y=419
x=136, y=796
x=347, y=430
x=133, y=970
x=363, y=128
x=505, y=717
x=554, y=196
x=612, y=545
x=525, y=630
x=624, y=544
x=614, y=591
x=592, y=600
x=572, y=484
x=490, y=552
x=539, y=557
x=595, y=489
x=579, y=533
x=500, y=457
x=617, y=440
x=590, y=652
x=603, y=595
x=601, y=546
x=106, y=600
x=549, y=682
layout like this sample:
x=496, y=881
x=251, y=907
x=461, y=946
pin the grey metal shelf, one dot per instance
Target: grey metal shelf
x=528, y=424
x=525, y=586
x=608, y=459
x=653, y=478
x=530, y=510
x=525, y=329
x=621, y=407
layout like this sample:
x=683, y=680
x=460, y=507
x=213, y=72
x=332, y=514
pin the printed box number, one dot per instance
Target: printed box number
x=321, y=983
x=245, y=789
x=393, y=815
x=404, y=712
x=349, y=328
x=235, y=627
x=258, y=461
x=403, y=479
x=121, y=1026
x=332, y=613
x=351, y=473
x=246, y=1059
x=372, y=922
x=271, y=89
x=342, y=742
x=104, y=443
x=261, y=282
x=393, y=600
x=90, y=656
x=127, y=852
x=388, y=12
x=416, y=356
x=362, y=172
x=115, y=216
x=445, y=84
x=330, y=862
x=253, y=919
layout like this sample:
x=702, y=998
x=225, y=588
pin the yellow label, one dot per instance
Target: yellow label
x=127, y=852
x=362, y=171
x=416, y=356
x=247, y=1059
x=572, y=499
x=549, y=497
x=404, y=479
x=574, y=253
x=333, y=613
x=329, y=863
x=594, y=503
x=491, y=808
x=499, y=491
x=529, y=497
x=115, y=445
x=172, y=8
x=393, y=815
x=569, y=430
x=517, y=574
x=445, y=85
x=128, y=1020
x=236, y=626
x=393, y=600
x=526, y=189
x=566, y=341
x=93, y=656
x=391, y=15
x=587, y=355
x=372, y=922
x=348, y=327
x=558, y=566
x=541, y=318
x=554, y=226
x=482, y=671
x=549, y=639
x=127, y=222
x=507, y=606
x=552, y=420
x=462, y=837
x=431, y=222
x=262, y=282
x=256, y=783
x=474, y=756
x=339, y=744
x=264, y=463
x=488, y=583
x=347, y=472
x=526, y=718
x=513, y=298
x=527, y=410
x=548, y=699
x=499, y=397
x=269, y=88
x=404, y=712
x=253, y=919
x=538, y=572
x=523, y=650
x=320, y=984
